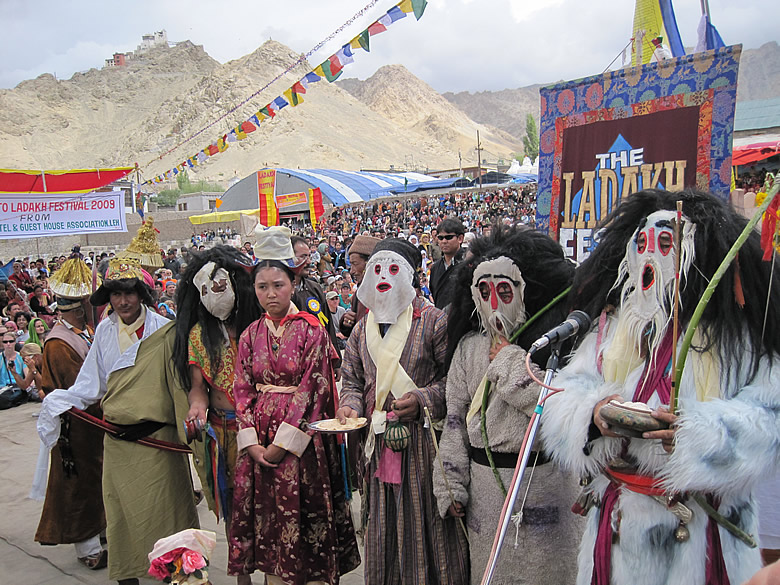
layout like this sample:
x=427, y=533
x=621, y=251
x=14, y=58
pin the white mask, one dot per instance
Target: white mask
x=216, y=293
x=498, y=290
x=387, y=286
x=648, y=271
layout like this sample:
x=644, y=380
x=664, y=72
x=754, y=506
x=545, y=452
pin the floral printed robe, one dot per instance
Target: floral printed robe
x=291, y=521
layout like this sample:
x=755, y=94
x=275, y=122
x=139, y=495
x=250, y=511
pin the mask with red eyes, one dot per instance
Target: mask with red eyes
x=646, y=274
x=387, y=286
x=498, y=291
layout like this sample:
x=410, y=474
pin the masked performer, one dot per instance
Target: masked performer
x=216, y=302
x=290, y=515
x=510, y=277
x=647, y=499
x=73, y=509
x=147, y=491
x=394, y=367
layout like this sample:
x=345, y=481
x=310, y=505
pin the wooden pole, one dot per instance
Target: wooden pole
x=676, y=309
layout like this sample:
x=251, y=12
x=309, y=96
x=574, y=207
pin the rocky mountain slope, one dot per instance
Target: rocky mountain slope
x=410, y=103
x=118, y=116
x=759, y=79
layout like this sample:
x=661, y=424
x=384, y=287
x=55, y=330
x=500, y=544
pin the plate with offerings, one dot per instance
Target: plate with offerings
x=332, y=425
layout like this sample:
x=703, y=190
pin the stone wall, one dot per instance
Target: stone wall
x=175, y=230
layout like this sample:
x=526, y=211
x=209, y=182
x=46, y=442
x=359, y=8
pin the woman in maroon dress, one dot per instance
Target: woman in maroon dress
x=290, y=516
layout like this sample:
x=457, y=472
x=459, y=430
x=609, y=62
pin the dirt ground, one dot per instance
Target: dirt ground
x=22, y=560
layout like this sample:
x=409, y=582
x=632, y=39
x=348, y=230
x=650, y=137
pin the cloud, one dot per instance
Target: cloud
x=458, y=45
x=79, y=57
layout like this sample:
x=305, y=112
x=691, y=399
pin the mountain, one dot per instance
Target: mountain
x=410, y=103
x=759, y=73
x=759, y=78
x=120, y=115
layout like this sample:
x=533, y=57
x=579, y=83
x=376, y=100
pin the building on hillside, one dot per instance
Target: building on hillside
x=119, y=59
x=150, y=41
x=201, y=201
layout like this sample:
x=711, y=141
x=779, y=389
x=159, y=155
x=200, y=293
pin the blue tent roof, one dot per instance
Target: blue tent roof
x=352, y=186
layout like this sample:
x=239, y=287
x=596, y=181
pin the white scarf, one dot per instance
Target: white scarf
x=128, y=334
x=390, y=375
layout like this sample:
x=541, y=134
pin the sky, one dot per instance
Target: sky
x=458, y=45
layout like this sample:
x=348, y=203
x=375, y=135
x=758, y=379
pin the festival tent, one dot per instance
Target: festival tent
x=73, y=181
x=222, y=216
x=337, y=187
x=744, y=155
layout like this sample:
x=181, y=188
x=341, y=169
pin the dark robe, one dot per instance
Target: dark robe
x=73, y=510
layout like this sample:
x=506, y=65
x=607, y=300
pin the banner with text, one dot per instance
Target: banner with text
x=25, y=215
x=266, y=197
x=290, y=199
x=665, y=125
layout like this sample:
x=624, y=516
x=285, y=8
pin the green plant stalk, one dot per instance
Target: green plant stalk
x=486, y=393
x=710, y=290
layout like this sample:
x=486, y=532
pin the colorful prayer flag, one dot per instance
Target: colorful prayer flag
x=396, y=13
x=267, y=111
x=279, y=103
x=311, y=77
x=213, y=149
x=299, y=87
x=376, y=28
x=416, y=6
x=248, y=127
x=344, y=55
x=363, y=39
x=293, y=97
x=325, y=68
x=385, y=20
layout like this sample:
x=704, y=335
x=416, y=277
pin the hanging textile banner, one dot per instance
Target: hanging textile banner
x=316, y=208
x=290, y=199
x=61, y=214
x=266, y=190
x=665, y=125
x=72, y=181
x=654, y=26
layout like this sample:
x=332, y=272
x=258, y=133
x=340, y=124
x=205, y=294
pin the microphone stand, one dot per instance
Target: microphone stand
x=522, y=462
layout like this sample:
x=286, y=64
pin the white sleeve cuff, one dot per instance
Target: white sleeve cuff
x=292, y=439
x=246, y=438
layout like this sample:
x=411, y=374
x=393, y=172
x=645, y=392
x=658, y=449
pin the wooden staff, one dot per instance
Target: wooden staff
x=676, y=309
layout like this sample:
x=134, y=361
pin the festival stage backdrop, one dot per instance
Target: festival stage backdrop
x=663, y=125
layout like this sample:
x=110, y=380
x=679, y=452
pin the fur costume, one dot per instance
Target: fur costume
x=727, y=436
x=517, y=272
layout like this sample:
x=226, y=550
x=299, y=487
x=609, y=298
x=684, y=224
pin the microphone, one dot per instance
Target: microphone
x=576, y=322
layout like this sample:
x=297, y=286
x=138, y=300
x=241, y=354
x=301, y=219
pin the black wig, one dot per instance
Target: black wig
x=545, y=270
x=102, y=295
x=189, y=309
x=733, y=329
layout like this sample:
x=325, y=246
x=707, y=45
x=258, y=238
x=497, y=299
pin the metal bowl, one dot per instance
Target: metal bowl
x=630, y=421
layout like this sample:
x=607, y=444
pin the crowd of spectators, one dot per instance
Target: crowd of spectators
x=27, y=303
x=476, y=209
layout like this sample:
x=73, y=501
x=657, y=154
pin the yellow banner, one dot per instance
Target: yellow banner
x=266, y=188
x=290, y=199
